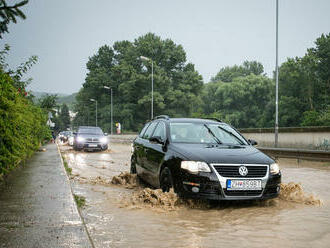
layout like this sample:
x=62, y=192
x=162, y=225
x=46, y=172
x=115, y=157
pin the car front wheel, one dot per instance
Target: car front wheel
x=166, y=180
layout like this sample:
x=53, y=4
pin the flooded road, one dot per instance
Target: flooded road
x=120, y=212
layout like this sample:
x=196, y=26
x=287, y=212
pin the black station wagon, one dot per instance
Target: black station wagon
x=203, y=158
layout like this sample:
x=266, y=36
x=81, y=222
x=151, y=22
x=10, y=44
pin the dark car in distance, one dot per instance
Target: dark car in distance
x=90, y=138
x=203, y=158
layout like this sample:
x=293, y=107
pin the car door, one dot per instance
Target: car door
x=138, y=145
x=144, y=170
x=155, y=153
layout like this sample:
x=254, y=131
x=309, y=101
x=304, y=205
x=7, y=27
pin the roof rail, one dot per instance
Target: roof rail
x=162, y=117
x=215, y=119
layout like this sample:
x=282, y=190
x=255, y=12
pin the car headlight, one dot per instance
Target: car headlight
x=80, y=139
x=195, y=166
x=104, y=140
x=274, y=168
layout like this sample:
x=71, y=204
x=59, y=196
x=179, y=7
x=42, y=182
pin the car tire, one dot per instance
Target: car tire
x=166, y=180
x=133, y=166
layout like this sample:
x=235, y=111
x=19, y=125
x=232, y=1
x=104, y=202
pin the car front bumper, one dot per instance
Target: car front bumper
x=209, y=186
x=92, y=146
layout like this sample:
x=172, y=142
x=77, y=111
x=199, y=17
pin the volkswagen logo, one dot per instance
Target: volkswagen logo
x=243, y=171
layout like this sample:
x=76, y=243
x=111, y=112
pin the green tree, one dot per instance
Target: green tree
x=304, y=86
x=229, y=73
x=17, y=73
x=48, y=103
x=176, y=83
x=64, y=117
x=243, y=103
x=9, y=13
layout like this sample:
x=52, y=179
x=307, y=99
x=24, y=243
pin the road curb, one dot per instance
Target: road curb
x=72, y=195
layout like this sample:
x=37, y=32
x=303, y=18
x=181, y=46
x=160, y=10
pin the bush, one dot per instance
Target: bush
x=22, y=125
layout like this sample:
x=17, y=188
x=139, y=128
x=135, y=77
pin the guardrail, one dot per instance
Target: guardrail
x=296, y=153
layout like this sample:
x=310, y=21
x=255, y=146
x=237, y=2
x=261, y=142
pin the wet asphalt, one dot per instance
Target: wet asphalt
x=37, y=208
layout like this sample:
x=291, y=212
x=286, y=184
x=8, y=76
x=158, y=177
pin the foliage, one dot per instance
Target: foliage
x=243, y=102
x=229, y=73
x=176, y=83
x=62, y=121
x=48, y=103
x=22, y=125
x=304, y=86
x=68, y=100
x=18, y=73
x=244, y=97
x=80, y=200
x=66, y=167
x=9, y=14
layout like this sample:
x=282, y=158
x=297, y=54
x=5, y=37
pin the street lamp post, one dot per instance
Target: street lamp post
x=276, y=76
x=93, y=100
x=152, y=84
x=111, y=115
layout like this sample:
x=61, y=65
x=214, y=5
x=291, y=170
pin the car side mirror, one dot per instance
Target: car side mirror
x=105, y=134
x=156, y=139
x=253, y=142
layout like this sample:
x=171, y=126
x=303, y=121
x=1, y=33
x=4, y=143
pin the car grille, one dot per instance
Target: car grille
x=242, y=192
x=92, y=140
x=232, y=171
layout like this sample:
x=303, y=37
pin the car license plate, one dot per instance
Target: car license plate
x=92, y=145
x=243, y=184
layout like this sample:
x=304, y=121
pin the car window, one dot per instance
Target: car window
x=144, y=129
x=204, y=133
x=93, y=131
x=160, y=131
x=149, y=131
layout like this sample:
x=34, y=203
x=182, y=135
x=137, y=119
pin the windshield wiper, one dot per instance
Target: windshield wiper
x=232, y=134
x=214, y=136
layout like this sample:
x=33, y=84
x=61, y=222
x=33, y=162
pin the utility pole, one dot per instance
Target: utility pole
x=152, y=84
x=111, y=115
x=276, y=78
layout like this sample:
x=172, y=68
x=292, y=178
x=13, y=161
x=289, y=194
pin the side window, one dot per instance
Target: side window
x=161, y=131
x=149, y=131
x=144, y=129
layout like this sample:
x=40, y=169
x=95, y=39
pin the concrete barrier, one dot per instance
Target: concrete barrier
x=314, y=138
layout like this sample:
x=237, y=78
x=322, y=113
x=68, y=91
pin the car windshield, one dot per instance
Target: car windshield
x=205, y=133
x=94, y=131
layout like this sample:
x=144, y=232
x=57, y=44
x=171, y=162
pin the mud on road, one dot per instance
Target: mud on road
x=123, y=212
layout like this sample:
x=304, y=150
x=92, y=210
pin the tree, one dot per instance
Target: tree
x=64, y=118
x=243, y=103
x=48, y=103
x=229, y=73
x=17, y=73
x=176, y=83
x=304, y=86
x=9, y=14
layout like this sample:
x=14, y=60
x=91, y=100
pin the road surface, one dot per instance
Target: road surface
x=122, y=213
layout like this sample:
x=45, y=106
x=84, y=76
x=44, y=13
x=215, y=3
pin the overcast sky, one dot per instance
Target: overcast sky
x=214, y=34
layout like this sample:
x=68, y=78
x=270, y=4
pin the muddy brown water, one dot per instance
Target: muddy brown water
x=122, y=212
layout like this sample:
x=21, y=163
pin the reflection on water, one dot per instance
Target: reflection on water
x=121, y=212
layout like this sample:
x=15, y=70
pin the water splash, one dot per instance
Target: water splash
x=294, y=192
x=126, y=179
